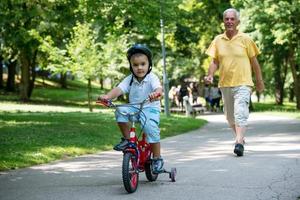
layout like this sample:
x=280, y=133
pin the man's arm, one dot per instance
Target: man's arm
x=211, y=70
x=260, y=86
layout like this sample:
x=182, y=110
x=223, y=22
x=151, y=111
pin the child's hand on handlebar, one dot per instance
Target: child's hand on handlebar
x=154, y=96
x=103, y=98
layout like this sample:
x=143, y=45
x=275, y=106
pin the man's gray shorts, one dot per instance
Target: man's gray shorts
x=236, y=104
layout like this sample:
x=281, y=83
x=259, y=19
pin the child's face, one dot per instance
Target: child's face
x=140, y=65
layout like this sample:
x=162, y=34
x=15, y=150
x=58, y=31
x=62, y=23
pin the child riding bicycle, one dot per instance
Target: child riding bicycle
x=140, y=84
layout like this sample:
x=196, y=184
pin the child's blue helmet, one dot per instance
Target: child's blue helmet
x=143, y=49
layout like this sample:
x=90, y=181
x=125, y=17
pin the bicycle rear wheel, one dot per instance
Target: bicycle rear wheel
x=130, y=173
x=148, y=171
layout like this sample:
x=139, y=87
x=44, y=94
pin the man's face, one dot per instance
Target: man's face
x=140, y=65
x=230, y=21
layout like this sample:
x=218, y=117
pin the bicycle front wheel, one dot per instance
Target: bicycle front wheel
x=130, y=173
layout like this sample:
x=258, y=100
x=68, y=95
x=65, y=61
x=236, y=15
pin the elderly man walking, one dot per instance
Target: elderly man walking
x=234, y=54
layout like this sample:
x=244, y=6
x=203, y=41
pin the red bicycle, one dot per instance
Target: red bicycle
x=137, y=156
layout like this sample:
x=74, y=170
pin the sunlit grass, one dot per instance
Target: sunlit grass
x=287, y=114
x=45, y=82
x=271, y=106
x=49, y=92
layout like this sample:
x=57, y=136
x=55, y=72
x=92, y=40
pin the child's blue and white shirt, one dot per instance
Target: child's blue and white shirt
x=139, y=91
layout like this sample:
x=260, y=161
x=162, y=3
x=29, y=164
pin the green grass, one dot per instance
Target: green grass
x=288, y=109
x=295, y=115
x=50, y=93
x=28, y=138
x=270, y=106
x=74, y=95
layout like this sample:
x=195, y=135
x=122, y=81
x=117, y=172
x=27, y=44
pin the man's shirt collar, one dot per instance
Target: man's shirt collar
x=224, y=36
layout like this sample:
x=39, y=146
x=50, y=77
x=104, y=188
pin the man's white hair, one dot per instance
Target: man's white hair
x=237, y=14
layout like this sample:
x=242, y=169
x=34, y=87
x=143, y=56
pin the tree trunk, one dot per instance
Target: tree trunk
x=31, y=80
x=89, y=95
x=278, y=87
x=297, y=89
x=280, y=73
x=1, y=73
x=33, y=73
x=101, y=83
x=112, y=83
x=63, y=80
x=11, y=73
x=25, y=78
x=296, y=76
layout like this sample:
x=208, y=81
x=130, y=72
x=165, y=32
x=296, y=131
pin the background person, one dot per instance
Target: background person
x=215, y=97
x=173, y=96
x=207, y=96
x=194, y=93
x=183, y=91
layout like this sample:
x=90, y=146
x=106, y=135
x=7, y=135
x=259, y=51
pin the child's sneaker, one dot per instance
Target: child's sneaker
x=157, y=165
x=122, y=145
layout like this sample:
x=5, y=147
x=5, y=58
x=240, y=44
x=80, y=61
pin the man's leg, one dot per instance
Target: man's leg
x=240, y=131
x=241, y=111
x=241, y=114
x=228, y=105
x=229, y=109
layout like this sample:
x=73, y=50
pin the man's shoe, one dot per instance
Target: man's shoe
x=239, y=149
x=122, y=145
x=157, y=165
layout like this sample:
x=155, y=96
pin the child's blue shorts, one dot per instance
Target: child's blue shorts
x=150, y=121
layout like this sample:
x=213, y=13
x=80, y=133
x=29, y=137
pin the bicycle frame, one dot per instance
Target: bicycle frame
x=140, y=148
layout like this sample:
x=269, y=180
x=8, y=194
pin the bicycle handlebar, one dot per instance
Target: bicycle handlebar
x=108, y=102
x=105, y=102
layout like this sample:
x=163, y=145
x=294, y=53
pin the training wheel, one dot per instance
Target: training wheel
x=172, y=174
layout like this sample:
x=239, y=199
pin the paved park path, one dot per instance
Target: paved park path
x=207, y=168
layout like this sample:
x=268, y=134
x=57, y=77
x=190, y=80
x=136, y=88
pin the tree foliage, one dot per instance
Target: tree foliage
x=89, y=38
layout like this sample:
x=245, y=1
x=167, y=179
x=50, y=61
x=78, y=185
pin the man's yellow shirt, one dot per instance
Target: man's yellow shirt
x=234, y=59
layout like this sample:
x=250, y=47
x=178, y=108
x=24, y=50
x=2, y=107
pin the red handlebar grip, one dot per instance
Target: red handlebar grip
x=104, y=102
x=158, y=95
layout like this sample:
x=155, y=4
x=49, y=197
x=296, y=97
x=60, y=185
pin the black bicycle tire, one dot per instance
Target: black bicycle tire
x=127, y=170
x=148, y=172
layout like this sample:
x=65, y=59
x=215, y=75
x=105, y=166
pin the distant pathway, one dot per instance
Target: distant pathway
x=207, y=168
